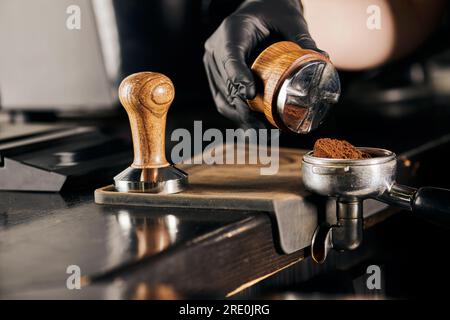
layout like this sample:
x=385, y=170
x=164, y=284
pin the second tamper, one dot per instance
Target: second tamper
x=147, y=96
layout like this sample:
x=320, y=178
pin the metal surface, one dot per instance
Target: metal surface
x=321, y=242
x=350, y=181
x=164, y=180
x=49, y=158
x=399, y=195
x=348, y=233
x=345, y=235
x=305, y=97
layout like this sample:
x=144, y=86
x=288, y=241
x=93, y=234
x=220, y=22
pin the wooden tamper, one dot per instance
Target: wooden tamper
x=147, y=96
x=297, y=86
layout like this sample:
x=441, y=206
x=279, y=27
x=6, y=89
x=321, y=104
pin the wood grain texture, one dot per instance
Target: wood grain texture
x=271, y=68
x=147, y=96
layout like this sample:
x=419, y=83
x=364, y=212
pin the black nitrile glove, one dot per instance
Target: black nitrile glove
x=227, y=52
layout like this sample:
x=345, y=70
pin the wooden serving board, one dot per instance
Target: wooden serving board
x=242, y=187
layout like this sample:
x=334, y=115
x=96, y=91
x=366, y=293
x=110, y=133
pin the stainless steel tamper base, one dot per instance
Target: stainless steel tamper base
x=165, y=180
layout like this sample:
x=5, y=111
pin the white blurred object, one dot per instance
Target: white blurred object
x=46, y=66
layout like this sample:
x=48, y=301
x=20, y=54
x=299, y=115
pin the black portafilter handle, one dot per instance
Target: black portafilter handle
x=432, y=204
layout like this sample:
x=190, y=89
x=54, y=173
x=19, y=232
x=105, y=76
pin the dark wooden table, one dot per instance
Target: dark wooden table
x=202, y=251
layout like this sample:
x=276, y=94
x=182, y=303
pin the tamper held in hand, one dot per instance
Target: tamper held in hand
x=146, y=97
x=298, y=86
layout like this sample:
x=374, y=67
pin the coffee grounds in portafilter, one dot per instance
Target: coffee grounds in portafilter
x=337, y=149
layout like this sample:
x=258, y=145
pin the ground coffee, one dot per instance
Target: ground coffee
x=337, y=149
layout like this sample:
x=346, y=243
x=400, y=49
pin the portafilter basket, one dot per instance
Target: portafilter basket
x=353, y=181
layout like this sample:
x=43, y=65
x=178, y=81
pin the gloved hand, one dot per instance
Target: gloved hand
x=227, y=52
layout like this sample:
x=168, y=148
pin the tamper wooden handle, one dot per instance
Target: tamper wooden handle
x=147, y=96
x=272, y=67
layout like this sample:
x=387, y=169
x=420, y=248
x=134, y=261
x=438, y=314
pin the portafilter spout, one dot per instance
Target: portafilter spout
x=353, y=181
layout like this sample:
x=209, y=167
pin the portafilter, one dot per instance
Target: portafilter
x=351, y=182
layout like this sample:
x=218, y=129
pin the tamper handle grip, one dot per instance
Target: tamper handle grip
x=146, y=97
x=432, y=204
